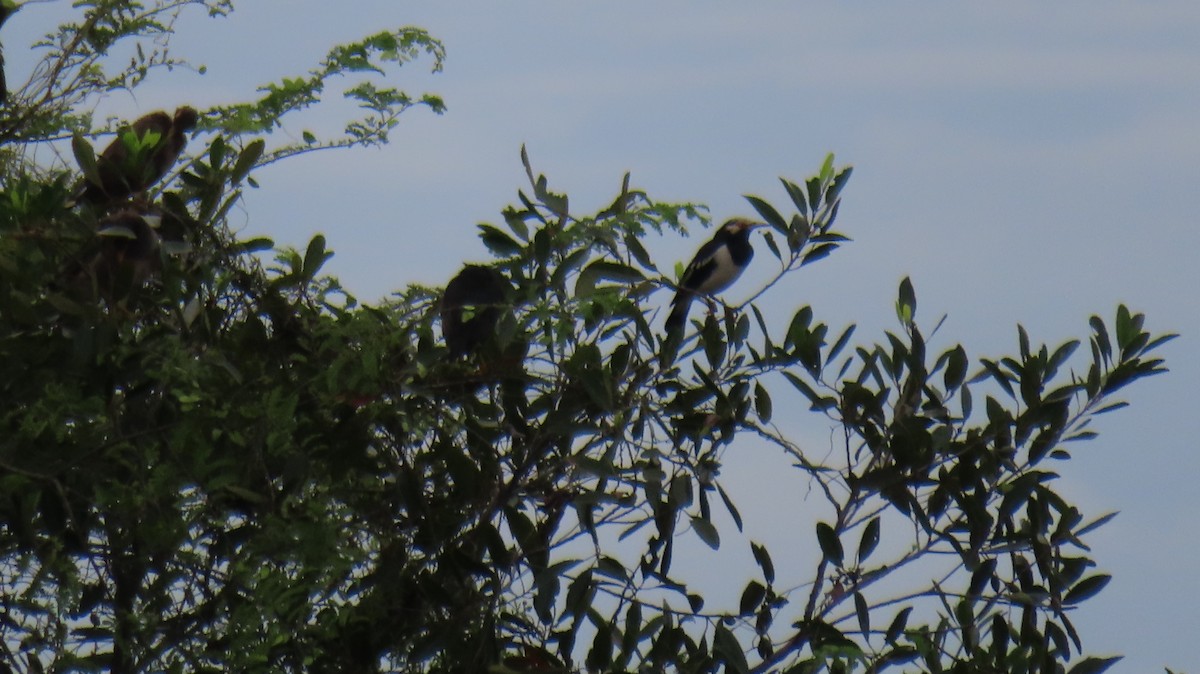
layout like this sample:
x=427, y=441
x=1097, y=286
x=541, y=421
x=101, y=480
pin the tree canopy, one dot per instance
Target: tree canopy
x=215, y=458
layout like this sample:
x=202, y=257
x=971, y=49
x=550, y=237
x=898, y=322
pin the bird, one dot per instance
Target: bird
x=126, y=255
x=121, y=176
x=470, y=307
x=7, y=8
x=715, y=267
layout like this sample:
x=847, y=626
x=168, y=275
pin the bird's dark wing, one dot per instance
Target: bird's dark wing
x=696, y=277
x=700, y=269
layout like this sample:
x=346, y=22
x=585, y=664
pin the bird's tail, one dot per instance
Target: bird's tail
x=679, y=311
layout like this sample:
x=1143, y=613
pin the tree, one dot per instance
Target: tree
x=222, y=464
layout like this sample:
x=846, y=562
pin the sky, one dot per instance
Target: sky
x=1022, y=162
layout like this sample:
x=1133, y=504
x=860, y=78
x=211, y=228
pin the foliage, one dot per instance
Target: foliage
x=232, y=468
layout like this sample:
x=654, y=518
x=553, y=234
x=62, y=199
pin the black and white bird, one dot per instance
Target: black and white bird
x=716, y=266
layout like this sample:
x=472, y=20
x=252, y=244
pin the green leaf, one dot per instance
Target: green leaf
x=1159, y=341
x=956, y=368
x=768, y=212
x=899, y=655
x=639, y=253
x=1100, y=338
x=813, y=186
x=826, y=173
x=762, y=402
x=752, y=596
x=1094, y=665
x=818, y=402
x=829, y=639
x=117, y=231
x=580, y=594
x=246, y=160
x=863, y=612
x=315, y=257
x=1095, y=524
x=906, y=302
x=869, y=539
x=981, y=577
x=964, y=613
x=612, y=568
x=728, y=649
x=1023, y=342
x=898, y=625
x=730, y=507
x=818, y=252
x=773, y=246
x=831, y=546
x=796, y=193
x=799, y=233
x=998, y=375
x=600, y=654
x=763, y=558
x=706, y=532
x=556, y=203
x=85, y=156
x=516, y=222
x=633, y=628
x=1104, y=409
x=840, y=344
x=1128, y=326
x=501, y=244
x=599, y=270
x=1086, y=588
x=839, y=182
x=216, y=149
x=1060, y=356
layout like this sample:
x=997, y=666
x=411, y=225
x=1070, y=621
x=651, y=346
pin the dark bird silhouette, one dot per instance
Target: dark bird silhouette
x=717, y=264
x=7, y=8
x=126, y=256
x=471, y=306
x=121, y=175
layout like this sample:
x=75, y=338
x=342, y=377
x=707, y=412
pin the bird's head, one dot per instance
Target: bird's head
x=186, y=118
x=739, y=225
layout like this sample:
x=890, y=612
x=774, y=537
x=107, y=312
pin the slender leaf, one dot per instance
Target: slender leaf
x=752, y=597
x=831, y=546
x=869, y=539
x=1086, y=588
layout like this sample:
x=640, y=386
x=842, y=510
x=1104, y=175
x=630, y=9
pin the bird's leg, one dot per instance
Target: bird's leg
x=712, y=304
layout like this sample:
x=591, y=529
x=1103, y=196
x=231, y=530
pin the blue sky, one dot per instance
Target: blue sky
x=1022, y=162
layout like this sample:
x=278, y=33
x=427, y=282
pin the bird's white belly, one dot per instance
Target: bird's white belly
x=724, y=272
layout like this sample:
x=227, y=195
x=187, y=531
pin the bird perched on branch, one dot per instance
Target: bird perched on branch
x=471, y=307
x=127, y=254
x=7, y=8
x=139, y=156
x=716, y=266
